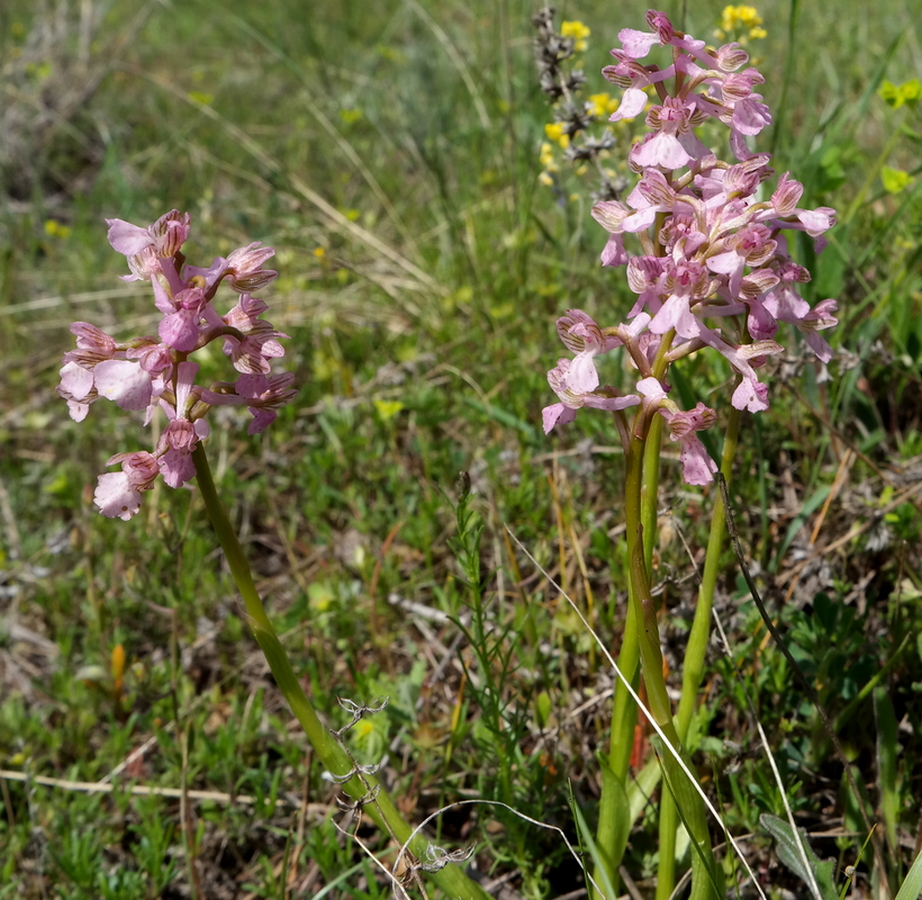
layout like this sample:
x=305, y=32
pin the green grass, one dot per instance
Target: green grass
x=401, y=140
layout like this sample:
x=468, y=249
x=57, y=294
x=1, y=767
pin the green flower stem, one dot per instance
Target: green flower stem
x=652, y=448
x=705, y=874
x=640, y=599
x=696, y=650
x=649, y=490
x=614, y=822
x=381, y=810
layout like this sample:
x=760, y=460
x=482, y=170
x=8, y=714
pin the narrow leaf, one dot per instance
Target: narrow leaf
x=887, y=747
x=792, y=850
x=911, y=888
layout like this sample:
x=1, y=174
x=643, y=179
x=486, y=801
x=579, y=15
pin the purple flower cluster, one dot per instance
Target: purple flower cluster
x=145, y=373
x=711, y=248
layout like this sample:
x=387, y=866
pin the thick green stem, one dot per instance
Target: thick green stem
x=649, y=490
x=614, y=821
x=705, y=874
x=381, y=809
x=696, y=650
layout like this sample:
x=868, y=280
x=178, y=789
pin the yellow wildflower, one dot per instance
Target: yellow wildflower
x=387, y=409
x=555, y=131
x=53, y=228
x=742, y=21
x=602, y=104
x=364, y=728
x=578, y=32
x=895, y=181
x=896, y=95
x=320, y=596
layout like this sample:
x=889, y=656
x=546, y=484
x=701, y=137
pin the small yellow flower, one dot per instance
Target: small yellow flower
x=320, y=596
x=546, y=157
x=387, y=409
x=578, y=32
x=53, y=228
x=743, y=22
x=363, y=729
x=320, y=252
x=555, y=131
x=896, y=95
x=602, y=104
x=546, y=179
x=895, y=181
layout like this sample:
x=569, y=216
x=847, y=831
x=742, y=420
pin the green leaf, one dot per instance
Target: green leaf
x=543, y=709
x=791, y=851
x=507, y=419
x=588, y=846
x=887, y=747
x=614, y=825
x=911, y=888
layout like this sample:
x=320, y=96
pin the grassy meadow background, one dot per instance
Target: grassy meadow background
x=389, y=151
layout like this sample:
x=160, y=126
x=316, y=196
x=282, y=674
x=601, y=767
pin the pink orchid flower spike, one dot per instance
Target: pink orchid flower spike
x=156, y=375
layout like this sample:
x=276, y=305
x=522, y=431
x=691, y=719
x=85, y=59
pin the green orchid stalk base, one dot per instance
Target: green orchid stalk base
x=361, y=786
